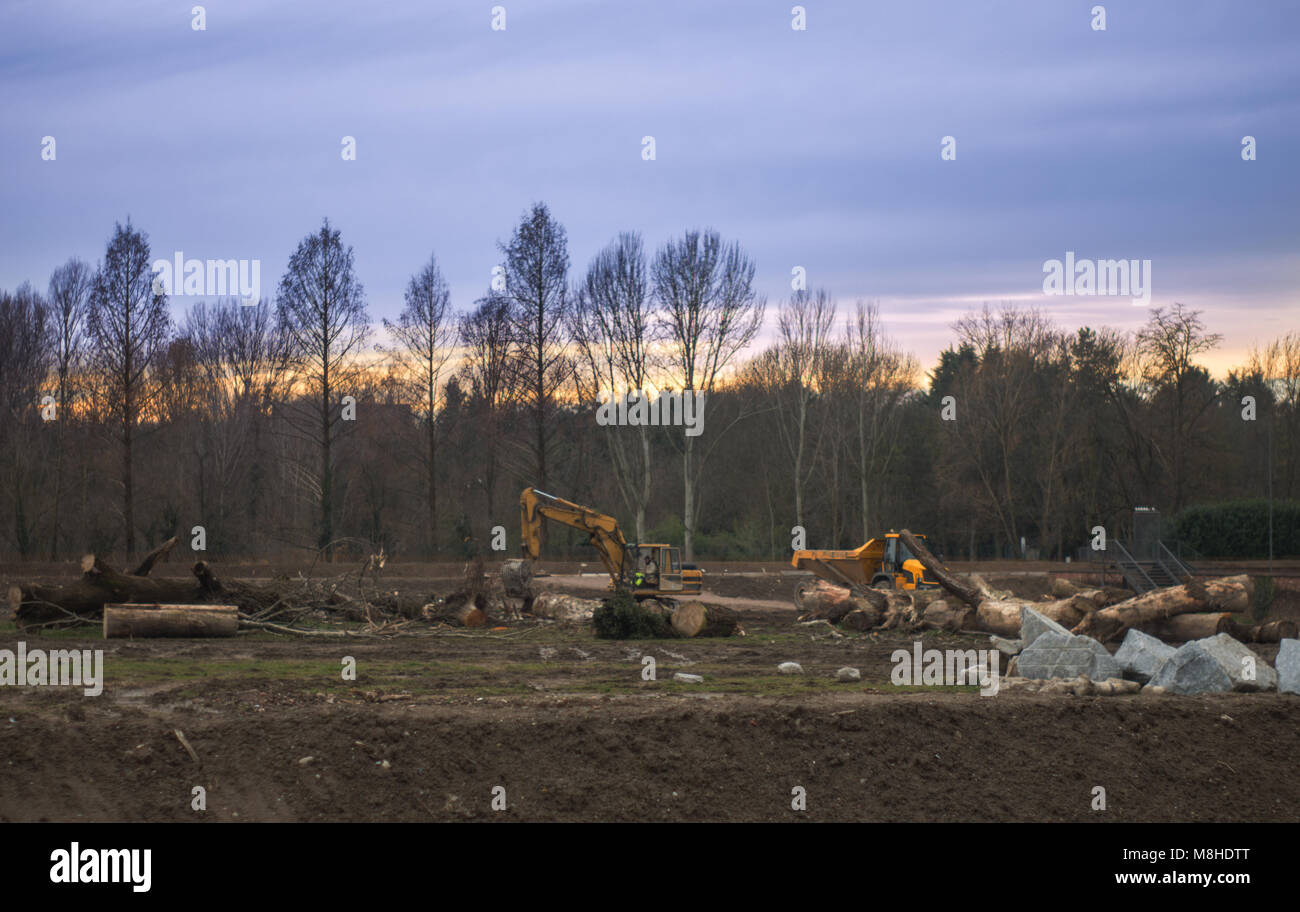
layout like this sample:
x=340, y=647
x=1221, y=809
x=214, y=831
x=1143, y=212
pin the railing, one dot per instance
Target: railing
x=1172, y=564
x=1134, y=575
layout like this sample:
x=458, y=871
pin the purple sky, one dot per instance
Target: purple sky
x=817, y=148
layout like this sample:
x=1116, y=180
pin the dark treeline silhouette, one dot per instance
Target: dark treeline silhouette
x=285, y=429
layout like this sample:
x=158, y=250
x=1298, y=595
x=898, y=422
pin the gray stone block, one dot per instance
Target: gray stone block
x=1141, y=655
x=1192, y=670
x=1064, y=655
x=1033, y=625
x=848, y=675
x=1247, y=671
x=1288, y=667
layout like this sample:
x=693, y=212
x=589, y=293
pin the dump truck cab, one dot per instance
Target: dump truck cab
x=882, y=563
x=899, y=568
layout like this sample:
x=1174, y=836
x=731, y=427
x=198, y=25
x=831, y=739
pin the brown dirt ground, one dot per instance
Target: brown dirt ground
x=565, y=724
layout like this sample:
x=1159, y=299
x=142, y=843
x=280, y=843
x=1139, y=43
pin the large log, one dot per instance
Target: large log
x=964, y=590
x=952, y=616
x=1230, y=593
x=692, y=619
x=1002, y=616
x=823, y=601
x=170, y=621
x=566, y=609
x=101, y=584
x=1186, y=627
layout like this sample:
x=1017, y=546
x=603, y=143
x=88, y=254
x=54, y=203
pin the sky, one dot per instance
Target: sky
x=818, y=147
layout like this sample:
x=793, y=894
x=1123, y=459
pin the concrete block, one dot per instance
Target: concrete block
x=1141, y=655
x=1287, y=664
x=1192, y=670
x=1064, y=655
x=1033, y=625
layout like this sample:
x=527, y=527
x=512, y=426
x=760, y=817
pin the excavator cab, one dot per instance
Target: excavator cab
x=655, y=567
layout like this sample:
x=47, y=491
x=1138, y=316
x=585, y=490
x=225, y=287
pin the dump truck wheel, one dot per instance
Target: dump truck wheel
x=882, y=582
x=800, y=589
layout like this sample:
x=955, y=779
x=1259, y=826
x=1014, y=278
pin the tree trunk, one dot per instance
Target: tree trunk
x=963, y=590
x=698, y=619
x=688, y=508
x=170, y=621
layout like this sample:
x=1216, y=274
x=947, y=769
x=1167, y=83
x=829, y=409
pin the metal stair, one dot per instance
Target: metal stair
x=1157, y=568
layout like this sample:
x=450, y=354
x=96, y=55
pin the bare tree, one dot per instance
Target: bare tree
x=536, y=277
x=796, y=364
x=425, y=333
x=1278, y=364
x=485, y=335
x=710, y=312
x=881, y=379
x=996, y=406
x=1166, y=349
x=322, y=307
x=25, y=359
x=242, y=360
x=612, y=326
x=69, y=296
x=128, y=326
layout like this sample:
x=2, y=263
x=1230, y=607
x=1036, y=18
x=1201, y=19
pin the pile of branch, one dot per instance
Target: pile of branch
x=271, y=606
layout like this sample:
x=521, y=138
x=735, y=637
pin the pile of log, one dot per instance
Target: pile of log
x=1191, y=611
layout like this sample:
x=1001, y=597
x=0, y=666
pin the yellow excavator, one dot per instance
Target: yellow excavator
x=882, y=563
x=645, y=570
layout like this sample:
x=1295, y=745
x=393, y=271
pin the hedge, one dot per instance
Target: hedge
x=1239, y=528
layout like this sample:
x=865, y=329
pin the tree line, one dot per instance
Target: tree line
x=292, y=427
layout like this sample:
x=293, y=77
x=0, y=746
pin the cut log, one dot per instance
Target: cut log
x=861, y=619
x=141, y=621
x=1002, y=616
x=517, y=578
x=1274, y=632
x=901, y=612
x=566, y=609
x=692, y=619
x=824, y=601
x=952, y=616
x=1230, y=593
x=964, y=590
x=1184, y=627
x=1061, y=588
x=465, y=610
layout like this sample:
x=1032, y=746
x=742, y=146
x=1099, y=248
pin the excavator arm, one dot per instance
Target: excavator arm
x=606, y=536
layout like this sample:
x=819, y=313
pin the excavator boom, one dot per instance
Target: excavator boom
x=606, y=536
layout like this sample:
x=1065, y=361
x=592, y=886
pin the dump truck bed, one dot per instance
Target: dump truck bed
x=843, y=568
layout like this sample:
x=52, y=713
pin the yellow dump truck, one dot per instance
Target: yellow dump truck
x=882, y=563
